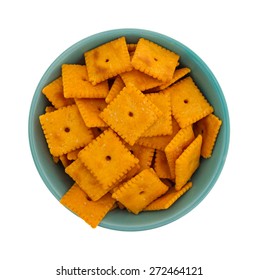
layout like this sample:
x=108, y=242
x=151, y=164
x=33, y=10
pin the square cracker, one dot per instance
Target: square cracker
x=108, y=60
x=154, y=60
x=92, y=212
x=65, y=130
x=54, y=93
x=140, y=191
x=90, y=109
x=107, y=158
x=169, y=198
x=76, y=83
x=209, y=128
x=188, y=103
x=130, y=109
x=188, y=162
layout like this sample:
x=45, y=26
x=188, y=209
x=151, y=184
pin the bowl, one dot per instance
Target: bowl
x=58, y=182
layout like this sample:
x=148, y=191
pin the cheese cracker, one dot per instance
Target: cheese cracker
x=108, y=60
x=188, y=103
x=154, y=60
x=130, y=109
x=107, y=158
x=65, y=130
x=140, y=191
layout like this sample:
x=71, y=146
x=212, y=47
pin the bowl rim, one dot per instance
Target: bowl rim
x=146, y=33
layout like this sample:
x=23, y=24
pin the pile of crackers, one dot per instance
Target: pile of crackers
x=129, y=126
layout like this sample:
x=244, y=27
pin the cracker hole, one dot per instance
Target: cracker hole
x=108, y=158
x=141, y=192
x=107, y=60
x=130, y=114
x=155, y=59
x=186, y=101
x=67, y=129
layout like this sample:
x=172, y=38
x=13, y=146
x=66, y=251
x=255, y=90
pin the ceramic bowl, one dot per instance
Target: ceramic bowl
x=205, y=177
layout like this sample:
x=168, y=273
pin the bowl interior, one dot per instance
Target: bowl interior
x=204, y=179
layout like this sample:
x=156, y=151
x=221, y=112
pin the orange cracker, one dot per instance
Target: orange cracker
x=90, y=109
x=76, y=83
x=107, y=158
x=177, y=145
x=140, y=191
x=163, y=126
x=169, y=198
x=161, y=166
x=130, y=109
x=108, y=60
x=54, y=93
x=188, y=103
x=116, y=87
x=92, y=212
x=65, y=130
x=85, y=180
x=188, y=162
x=209, y=128
x=140, y=80
x=154, y=60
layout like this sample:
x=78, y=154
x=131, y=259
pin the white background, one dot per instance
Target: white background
x=37, y=235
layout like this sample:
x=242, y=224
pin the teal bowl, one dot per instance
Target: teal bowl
x=203, y=180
